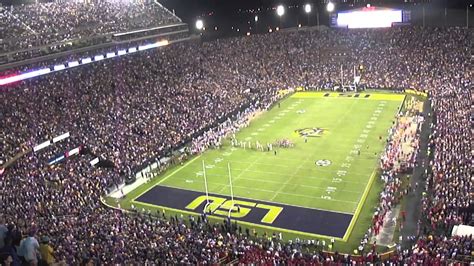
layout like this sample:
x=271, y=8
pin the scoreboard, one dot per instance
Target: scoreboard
x=370, y=17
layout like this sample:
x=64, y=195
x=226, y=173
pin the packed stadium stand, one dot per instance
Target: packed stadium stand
x=134, y=109
x=55, y=26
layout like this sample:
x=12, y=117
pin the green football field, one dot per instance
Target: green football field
x=328, y=173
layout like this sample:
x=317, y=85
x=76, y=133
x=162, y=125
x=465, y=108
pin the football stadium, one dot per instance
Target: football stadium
x=138, y=132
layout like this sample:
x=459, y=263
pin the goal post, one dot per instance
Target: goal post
x=205, y=186
x=231, y=190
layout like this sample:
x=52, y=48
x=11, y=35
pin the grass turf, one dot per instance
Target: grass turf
x=291, y=177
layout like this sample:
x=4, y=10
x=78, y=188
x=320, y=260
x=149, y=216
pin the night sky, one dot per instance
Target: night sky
x=236, y=17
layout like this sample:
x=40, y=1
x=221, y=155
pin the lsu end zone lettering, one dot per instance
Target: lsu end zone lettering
x=239, y=208
x=272, y=215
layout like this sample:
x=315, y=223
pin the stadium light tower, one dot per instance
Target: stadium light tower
x=280, y=12
x=467, y=15
x=256, y=23
x=199, y=24
x=330, y=7
x=307, y=10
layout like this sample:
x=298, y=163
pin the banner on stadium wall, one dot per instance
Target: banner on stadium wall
x=73, y=152
x=49, y=142
x=61, y=137
x=63, y=156
x=56, y=159
x=41, y=146
x=94, y=161
x=419, y=93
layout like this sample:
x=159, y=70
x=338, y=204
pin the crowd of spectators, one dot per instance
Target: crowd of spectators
x=397, y=160
x=131, y=109
x=38, y=24
x=449, y=179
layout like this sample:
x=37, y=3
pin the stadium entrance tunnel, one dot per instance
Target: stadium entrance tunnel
x=274, y=216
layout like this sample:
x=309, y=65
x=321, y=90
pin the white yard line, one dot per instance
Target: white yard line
x=279, y=191
x=358, y=192
x=279, y=164
x=241, y=172
x=285, y=175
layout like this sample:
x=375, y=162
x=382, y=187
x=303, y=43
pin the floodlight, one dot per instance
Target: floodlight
x=330, y=7
x=199, y=24
x=280, y=10
x=256, y=18
x=307, y=8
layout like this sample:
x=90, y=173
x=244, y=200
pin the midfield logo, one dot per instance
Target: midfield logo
x=310, y=132
x=221, y=206
x=323, y=162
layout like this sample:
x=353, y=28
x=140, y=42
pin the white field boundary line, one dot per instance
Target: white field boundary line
x=268, y=200
x=182, y=167
x=362, y=199
x=165, y=178
x=370, y=181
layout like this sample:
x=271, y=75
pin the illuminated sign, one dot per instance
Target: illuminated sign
x=73, y=63
x=369, y=18
x=59, y=67
x=86, y=60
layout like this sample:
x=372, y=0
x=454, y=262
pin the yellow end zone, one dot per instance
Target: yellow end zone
x=373, y=96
